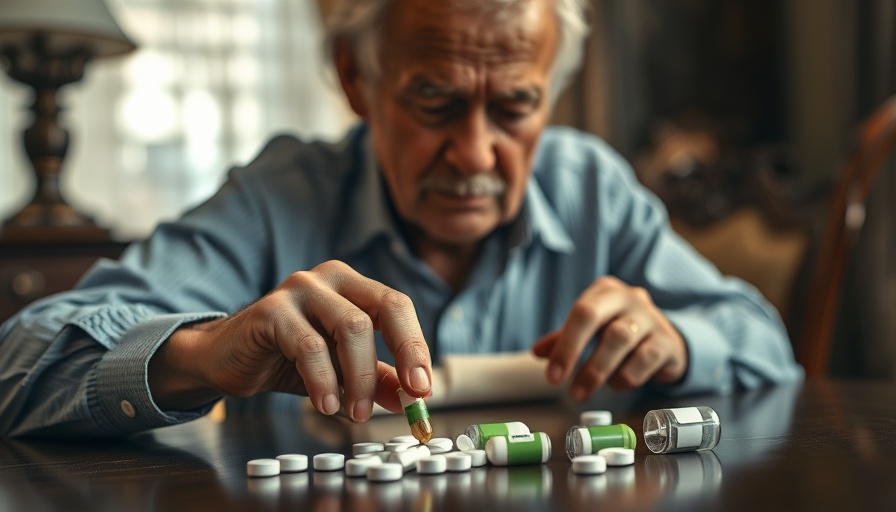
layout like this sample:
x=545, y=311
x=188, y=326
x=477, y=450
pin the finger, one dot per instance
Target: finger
x=387, y=388
x=394, y=313
x=619, y=338
x=351, y=331
x=600, y=303
x=545, y=344
x=645, y=360
x=307, y=349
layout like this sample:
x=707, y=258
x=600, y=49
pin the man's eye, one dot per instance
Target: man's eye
x=438, y=109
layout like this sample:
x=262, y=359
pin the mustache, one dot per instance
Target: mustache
x=464, y=186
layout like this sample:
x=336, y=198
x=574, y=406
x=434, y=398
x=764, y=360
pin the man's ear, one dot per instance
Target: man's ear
x=350, y=78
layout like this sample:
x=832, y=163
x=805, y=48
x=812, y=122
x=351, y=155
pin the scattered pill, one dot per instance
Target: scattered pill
x=618, y=456
x=458, y=461
x=589, y=465
x=440, y=445
x=358, y=467
x=293, y=462
x=592, y=418
x=263, y=467
x=386, y=472
x=464, y=443
x=398, y=447
x=408, y=458
x=408, y=439
x=432, y=465
x=329, y=461
x=359, y=448
x=477, y=457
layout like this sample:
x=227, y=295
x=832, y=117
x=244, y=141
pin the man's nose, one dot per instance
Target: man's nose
x=471, y=148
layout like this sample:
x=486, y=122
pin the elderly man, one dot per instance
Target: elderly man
x=450, y=221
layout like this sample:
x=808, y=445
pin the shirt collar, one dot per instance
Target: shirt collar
x=369, y=214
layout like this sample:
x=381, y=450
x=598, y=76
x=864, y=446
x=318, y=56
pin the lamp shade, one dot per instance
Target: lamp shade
x=64, y=24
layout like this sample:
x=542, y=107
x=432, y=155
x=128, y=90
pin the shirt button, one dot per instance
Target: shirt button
x=719, y=371
x=457, y=313
x=397, y=248
x=128, y=409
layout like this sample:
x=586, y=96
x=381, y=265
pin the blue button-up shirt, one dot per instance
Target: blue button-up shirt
x=75, y=363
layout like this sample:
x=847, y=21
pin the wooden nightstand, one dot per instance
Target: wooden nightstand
x=40, y=261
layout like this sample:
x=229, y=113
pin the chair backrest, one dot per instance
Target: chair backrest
x=846, y=215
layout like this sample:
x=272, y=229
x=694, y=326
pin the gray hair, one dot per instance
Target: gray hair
x=358, y=22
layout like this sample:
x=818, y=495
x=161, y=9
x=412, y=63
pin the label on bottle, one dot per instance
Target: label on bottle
x=690, y=435
x=490, y=430
x=687, y=415
x=524, y=449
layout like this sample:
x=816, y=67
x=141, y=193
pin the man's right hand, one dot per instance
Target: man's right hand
x=308, y=336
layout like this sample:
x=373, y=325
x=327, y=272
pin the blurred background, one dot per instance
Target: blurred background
x=739, y=114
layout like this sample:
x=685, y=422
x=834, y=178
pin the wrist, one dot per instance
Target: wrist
x=175, y=373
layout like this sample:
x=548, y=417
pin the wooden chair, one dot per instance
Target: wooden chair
x=845, y=218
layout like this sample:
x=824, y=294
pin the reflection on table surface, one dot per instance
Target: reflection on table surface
x=826, y=446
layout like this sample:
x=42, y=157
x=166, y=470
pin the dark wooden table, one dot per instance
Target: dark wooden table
x=820, y=446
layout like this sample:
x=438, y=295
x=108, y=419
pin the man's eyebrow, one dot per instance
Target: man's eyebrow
x=426, y=87
x=526, y=95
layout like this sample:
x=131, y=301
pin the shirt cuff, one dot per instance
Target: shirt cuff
x=708, y=355
x=119, y=396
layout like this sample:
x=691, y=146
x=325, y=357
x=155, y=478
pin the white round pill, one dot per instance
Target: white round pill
x=595, y=418
x=477, y=457
x=358, y=467
x=386, y=472
x=293, y=462
x=432, y=465
x=464, y=443
x=440, y=445
x=589, y=465
x=408, y=439
x=618, y=456
x=408, y=458
x=398, y=447
x=329, y=461
x=359, y=448
x=263, y=467
x=458, y=461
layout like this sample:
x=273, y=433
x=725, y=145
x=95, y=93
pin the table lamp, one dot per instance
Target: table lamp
x=46, y=44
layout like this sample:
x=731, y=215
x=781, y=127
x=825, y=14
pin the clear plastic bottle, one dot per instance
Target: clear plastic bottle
x=682, y=429
x=481, y=433
x=589, y=440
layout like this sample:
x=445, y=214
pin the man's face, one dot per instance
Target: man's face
x=457, y=112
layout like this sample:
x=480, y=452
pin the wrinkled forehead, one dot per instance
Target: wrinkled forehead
x=419, y=32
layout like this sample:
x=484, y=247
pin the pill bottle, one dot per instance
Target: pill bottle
x=518, y=449
x=481, y=433
x=588, y=440
x=682, y=429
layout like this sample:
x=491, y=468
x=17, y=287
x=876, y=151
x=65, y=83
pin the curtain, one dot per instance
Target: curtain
x=153, y=133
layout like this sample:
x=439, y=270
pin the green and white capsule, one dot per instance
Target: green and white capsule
x=519, y=449
x=590, y=440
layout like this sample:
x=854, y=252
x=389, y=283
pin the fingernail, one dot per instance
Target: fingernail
x=555, y=373
x=419, y=380
x=330, y=404
x=363, y=409
x=578, y=393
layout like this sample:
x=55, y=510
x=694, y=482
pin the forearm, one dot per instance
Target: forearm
x=735, y=343
x=76, y=372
